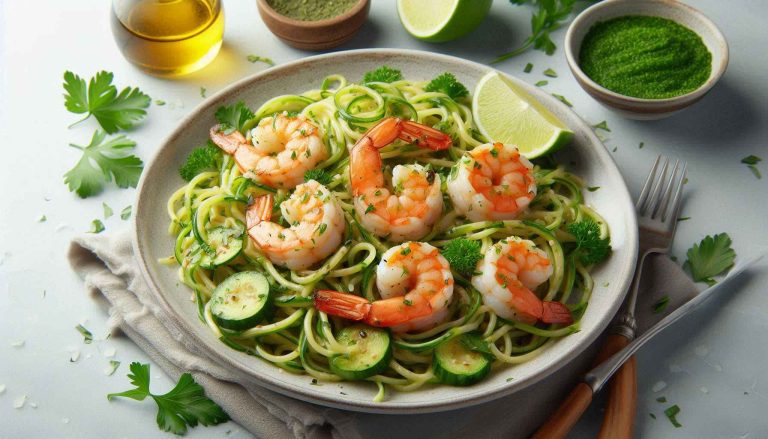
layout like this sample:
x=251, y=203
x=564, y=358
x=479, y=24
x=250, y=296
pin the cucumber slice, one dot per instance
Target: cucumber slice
x=241, y=301
x=372, y=350
x=457, y=365
x=224, y=244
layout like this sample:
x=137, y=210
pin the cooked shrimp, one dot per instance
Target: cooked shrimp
x=282, y=149
x=316, y=226
x=492, y=182
x=509, y=272
x=407, y=211
x=416, y=286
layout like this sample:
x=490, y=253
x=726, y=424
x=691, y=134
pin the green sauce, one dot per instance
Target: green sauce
x=311, y=10
x=645, y=57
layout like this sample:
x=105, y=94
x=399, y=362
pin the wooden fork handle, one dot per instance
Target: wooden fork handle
x=560, y=423
x=620, y=412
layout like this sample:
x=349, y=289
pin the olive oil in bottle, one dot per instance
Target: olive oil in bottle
x=168, y=37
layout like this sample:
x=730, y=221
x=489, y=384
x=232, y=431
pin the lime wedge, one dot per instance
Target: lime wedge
x=441, y=20
x=506, y=113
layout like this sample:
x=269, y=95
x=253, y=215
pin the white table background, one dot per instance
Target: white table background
x=714, y=364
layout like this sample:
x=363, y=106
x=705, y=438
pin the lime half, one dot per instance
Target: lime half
x=441, y=20
x=506, y=113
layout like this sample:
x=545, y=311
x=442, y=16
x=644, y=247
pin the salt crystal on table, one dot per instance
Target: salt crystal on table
x=659, y=386
x=19, y=402
x=18, y=343
x=65, y=420
x=704, y=390
x=2, y=389
x=110, y=352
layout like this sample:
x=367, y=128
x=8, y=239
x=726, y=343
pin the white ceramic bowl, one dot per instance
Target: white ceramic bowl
x=637, y=108
x=586, y=156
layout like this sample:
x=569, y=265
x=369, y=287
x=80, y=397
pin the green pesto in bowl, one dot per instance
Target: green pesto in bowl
x=645, y=57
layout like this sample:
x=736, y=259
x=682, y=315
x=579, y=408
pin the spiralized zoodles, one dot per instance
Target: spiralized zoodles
x=299, y=338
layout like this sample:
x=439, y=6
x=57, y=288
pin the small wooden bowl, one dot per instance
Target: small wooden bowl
x=638, y=108
x=315, y=35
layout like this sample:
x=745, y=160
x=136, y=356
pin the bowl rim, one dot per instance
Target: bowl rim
x=585, y=81
x=311, y=24
x=182, y=325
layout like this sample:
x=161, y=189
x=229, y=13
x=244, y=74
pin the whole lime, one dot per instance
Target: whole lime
x=441, y=20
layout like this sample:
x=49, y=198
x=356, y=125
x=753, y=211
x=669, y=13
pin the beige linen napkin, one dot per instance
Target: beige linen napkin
x=107, y=265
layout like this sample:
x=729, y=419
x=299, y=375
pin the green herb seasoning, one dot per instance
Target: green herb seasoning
x=645, y=57
x=311, y=10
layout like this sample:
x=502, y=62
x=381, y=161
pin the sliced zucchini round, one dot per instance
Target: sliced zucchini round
x=370, y=355
x=457, y=365
x=241, y=301
x=224, y=244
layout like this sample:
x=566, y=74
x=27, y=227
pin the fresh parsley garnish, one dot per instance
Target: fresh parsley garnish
x=551, y=73
x=200, y=159
x=463, y=254
x=562, y=99
x=185, y=405
x=126, y=212
x=602, y=126
x=383, y=74
x=541, y=83
x=710, y=257
x=475, y=342
x=100, y=99
x=528, y=68
x=448, y=84
x=87, y=336
x=661, y=305
x=550, y=16
x=671, y=414
x=590, y=247
x=96, y=226
x=751, y=161
x=104, y=159
x=265, y=60
x=319, y=175
x=234, y=117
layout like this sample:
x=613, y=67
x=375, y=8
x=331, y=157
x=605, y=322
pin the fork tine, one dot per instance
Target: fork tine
x=677, y=200
x=648, y=183
x=662, y=207
x=655, y=197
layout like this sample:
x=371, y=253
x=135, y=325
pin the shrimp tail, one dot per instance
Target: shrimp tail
x=556, y=312
x=260, y=210
x=347, y=306
x=229, y=142
x=423, y=135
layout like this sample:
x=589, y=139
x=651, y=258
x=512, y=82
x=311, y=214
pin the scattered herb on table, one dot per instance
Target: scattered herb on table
x=96, y=226
x=642, y=144
x=448, y=84
x=87, y=336
x=528, y=68
x=159, y=102
x=463, y=254
x=661, y=399
x=265, y=60
x=683, y=218
x=99, y=98
x=113, y=365
x=615, y=148
x=42, y=219
x=199, y=160
x=751, y=161
x=203, y=90
x=233, y=117
x=107, y=210
x=551, y=73
x=593, y=188
x=185, y=405
x=590, y=248
x=383, y=74
x=710, y=257
x=319, y=175
x=661, y=305
x=126, y=212
x=541, y=83
x=652, y=415
x=562, y=99
x=550, y=16
x=602, y=126
x=111, y=160
x=671, y=414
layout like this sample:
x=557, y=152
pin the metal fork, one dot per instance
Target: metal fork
x=657, y=210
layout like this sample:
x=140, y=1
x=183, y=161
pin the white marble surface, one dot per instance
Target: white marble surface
x=713, y=365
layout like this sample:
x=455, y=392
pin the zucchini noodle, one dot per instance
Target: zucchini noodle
x=298, y=338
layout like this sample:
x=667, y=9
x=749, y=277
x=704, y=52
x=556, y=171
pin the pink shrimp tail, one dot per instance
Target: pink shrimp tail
x=260, y=210
x=556, y=312
x=347, y=306
x=229, y=143
x=423, y=135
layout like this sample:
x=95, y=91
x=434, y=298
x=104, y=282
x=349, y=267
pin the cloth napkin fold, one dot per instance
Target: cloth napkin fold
x=107, y=265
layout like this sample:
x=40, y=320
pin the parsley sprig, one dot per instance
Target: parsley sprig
x=710, y=257
x=448, y=84
x=104, y=159
x=233, y=117
x=590, y=247
x=199, y=160
x=319, y=175
x=550, y=16
x=99, y=98
x=463, y=254
x=383, y=74
x=185, y=405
